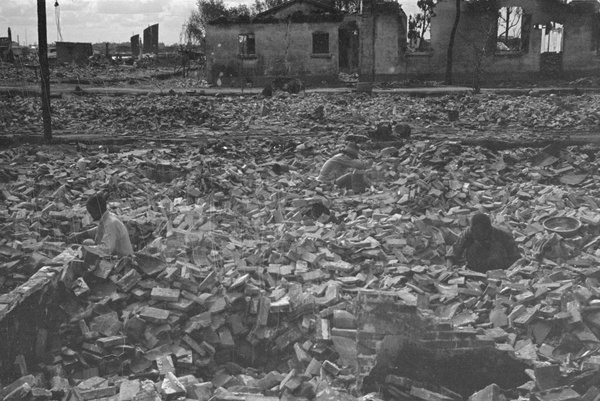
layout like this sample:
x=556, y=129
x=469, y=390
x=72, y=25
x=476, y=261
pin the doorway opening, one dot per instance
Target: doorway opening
x=348, y=47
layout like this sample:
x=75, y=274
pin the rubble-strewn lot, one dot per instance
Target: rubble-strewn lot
x=153, y=114
x=248, y=276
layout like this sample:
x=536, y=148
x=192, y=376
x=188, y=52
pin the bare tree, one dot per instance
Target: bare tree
x=509, y=20
x=482, y=38
x=450, y=53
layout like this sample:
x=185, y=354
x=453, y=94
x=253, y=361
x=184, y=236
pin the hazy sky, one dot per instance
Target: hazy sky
x=96, y=20
x=101, y=20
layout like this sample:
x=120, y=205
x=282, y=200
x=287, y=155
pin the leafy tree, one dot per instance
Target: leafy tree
x=263, y=5
x=212, y=9
x=192, y=34
x=194, y=29
x=350, y=6
x=418, y=24
x=241, y=10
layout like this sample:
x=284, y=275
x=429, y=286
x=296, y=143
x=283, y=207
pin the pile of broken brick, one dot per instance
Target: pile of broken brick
x=248, y=280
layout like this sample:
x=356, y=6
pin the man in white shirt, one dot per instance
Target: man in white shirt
x=110, y=237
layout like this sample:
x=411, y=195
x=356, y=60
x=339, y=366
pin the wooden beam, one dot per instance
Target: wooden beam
x=44, y=69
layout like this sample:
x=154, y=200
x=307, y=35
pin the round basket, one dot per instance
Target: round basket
x=564, y=226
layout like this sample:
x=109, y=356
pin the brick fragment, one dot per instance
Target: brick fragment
x=129, y=389
x=108, y=342
x=490, y=393
x=270, y=380
x=428, y=395
x=154, y=315
x=129, y=280
x=98, y=393
x=165, y=294
x=172, y=387
x=547, y=377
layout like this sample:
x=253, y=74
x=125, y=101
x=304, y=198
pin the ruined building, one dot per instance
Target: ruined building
x=504, y=40
x=73, y=52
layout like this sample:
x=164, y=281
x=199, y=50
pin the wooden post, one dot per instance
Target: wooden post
x=44, y=69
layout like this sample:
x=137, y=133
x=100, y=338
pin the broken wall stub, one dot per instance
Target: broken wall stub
x=395, y=337
x=382, y=41
x=150, y=44
x=76, y=52
x=135, y=46
x=29, y=319
x=385, y=324
x=25, y=327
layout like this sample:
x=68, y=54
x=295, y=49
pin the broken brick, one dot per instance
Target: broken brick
x=154, y=315
x=165, y=294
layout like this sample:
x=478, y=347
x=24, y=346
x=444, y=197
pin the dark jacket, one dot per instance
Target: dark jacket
x=500, y=253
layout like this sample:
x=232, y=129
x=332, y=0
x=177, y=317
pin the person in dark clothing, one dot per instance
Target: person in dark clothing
x=484, y=246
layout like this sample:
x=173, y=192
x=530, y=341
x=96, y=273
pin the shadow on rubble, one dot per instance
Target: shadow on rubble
x=436, y=370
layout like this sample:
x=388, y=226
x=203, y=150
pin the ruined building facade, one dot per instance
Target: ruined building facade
x=503, y=40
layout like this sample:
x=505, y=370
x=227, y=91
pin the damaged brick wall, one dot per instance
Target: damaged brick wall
x=76, y=52
x=282, y=49
x=385, y=325
x=578, y=60
x=403, y=350
x=28, y=316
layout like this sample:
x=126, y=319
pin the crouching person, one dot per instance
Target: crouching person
x=110, y=237
x=345, y=170
x=485, y=247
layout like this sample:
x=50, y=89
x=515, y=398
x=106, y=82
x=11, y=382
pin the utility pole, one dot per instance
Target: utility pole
x=44, y=69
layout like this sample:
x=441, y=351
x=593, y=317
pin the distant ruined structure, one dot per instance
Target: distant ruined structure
x=150, y=44
x=521, y=40
x=76, y=52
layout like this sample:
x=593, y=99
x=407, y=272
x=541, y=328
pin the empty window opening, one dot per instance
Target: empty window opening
x=247, y=44
x=551, y=49
x=419, y=26
x=320, y=43
x=513, y=30
x=552, y=38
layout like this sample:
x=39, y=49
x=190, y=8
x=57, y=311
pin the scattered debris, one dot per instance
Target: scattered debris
x=247, y=278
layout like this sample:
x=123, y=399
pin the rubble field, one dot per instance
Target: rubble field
x=253, y=281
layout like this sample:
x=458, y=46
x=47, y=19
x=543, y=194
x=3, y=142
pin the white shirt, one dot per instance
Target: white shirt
x=111, y=237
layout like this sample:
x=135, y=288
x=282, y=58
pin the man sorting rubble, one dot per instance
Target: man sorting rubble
x=345, y=169
x=485, y=247
x=110, y=237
